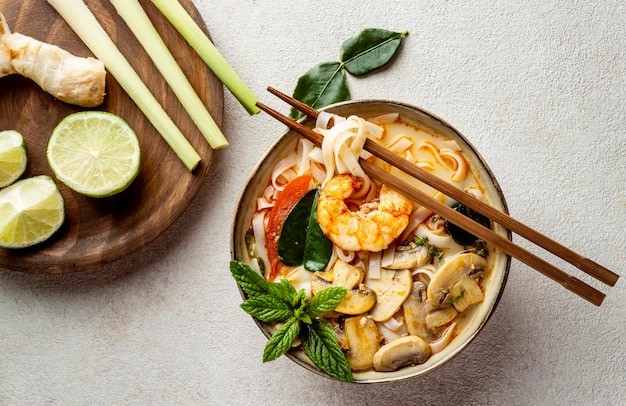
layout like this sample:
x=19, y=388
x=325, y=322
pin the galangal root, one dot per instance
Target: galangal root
x=67, y=77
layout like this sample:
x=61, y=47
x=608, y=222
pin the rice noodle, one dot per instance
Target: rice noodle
x=316, y=155
x=323, y=119
x=441, y=343
x=456, y=162
x=283, y=171
x=387, y=118
x=426, y=165
x=415, y=219
x=302, y=152
x=258, y=230
x=428, y=270
x=388, y=334
x=341, y=148
x=373, y=267
x=443, y=242
x=346, y=256
x=393, y=324
x=400, y=144
x=318, y=172
x=267, y=199
x=476, y=192
x=374, y=130
x=452, y=144
x=388, y=255
x=263, y=203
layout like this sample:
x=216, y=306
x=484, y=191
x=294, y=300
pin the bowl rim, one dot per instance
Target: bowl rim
x=291, y=354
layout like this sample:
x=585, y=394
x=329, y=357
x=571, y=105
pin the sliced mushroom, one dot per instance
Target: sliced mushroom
x=392, y=289
x=465, y=293
x=359, y=298
x=415, y=309
x=346, y=275
x=450, y=273
x=337, y=323
x=401, y=352
x=357, y=301
x=363, y=341
x=440, y=317
x=409, y=256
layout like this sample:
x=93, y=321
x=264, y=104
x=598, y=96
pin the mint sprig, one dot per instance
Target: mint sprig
x=280, y=302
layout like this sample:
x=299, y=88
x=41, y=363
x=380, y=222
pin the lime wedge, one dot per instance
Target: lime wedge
x=12, y=157
x=94, y=153
x=31, y=210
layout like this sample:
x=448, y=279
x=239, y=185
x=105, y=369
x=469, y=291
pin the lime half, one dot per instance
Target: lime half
x=12, y=157
x=94, y=153
x=31, y=210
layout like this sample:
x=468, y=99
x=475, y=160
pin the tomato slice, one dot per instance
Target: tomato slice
x=291, y=194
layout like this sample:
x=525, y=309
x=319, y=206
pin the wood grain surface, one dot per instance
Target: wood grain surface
x=99, y=231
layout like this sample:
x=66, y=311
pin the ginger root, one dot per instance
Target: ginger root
x=67, y=77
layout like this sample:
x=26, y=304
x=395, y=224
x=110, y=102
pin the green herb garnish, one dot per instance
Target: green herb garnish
x=435, y=252
x=432, y=250
x=420, y=240
x=279, y=302
x=454, y=299
x=363, y=53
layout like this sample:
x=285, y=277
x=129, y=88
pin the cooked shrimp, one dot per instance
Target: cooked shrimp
x=373, y=227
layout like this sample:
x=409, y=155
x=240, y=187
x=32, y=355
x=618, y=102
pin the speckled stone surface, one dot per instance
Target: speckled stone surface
x=539, y=87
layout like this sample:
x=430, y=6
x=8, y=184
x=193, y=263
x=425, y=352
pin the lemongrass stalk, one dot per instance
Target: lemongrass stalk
x=84, y=23
x=193, y=34
x=139, y=23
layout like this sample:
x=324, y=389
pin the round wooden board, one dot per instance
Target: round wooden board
x=99, y=231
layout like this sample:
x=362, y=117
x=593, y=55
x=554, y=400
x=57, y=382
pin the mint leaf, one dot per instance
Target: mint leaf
x=322, y=85
x=369, y=50
x=251, y=282
x=321, y=346
x=282, y=340
x=285, y=291
x=267, y=308
x=254, y=284
x=279, y=302
x=326, y=300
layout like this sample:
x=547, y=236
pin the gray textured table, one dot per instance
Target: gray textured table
x=538, y=87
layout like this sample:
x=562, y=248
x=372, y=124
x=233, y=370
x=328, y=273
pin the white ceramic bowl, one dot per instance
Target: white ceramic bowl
x=494, y=283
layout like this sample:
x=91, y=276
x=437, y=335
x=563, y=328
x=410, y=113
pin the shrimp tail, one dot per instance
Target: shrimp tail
x=69, y=78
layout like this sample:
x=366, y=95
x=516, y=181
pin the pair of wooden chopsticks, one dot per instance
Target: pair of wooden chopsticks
x=570, y=282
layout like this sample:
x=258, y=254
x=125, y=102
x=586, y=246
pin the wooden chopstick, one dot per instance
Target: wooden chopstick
x=584, y=264
x=570, y=282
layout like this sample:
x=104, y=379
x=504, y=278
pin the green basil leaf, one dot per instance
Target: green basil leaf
x=293, y=232
x=322, y=85
x=369, y=50
x=282, y=340
x=321, y=346
x=326, y=300
x=318, y=248
x=267, y=308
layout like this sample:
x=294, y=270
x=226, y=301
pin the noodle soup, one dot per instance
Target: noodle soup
x=418, y=290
